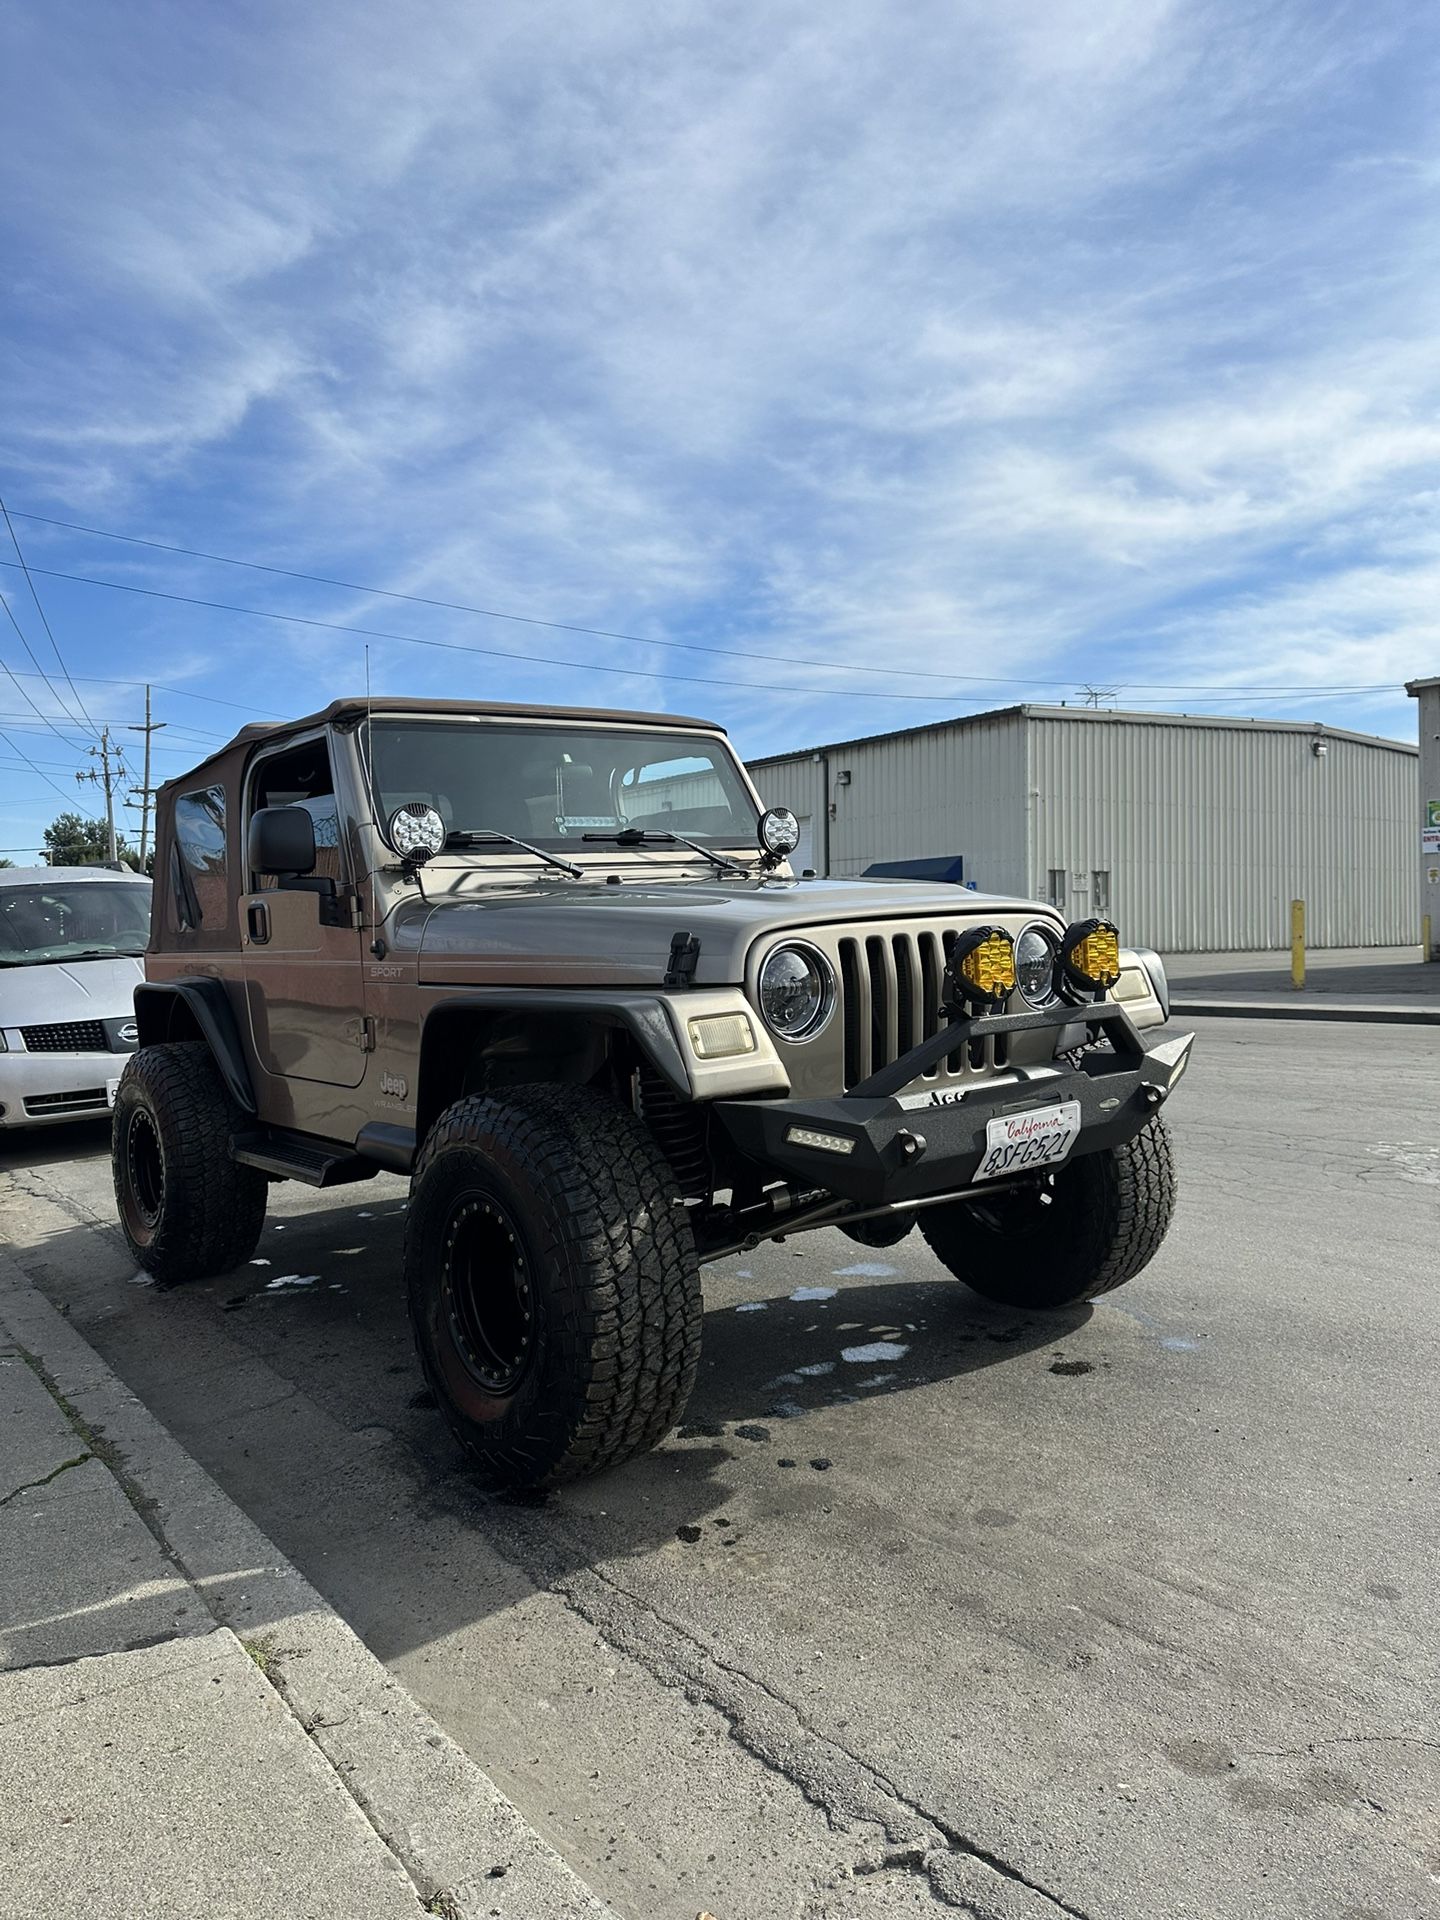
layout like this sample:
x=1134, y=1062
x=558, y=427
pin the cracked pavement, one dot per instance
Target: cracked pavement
x=1126, y=1615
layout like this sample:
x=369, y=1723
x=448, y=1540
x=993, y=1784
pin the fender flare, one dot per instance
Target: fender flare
x=209, y=1005
x=641, y=1015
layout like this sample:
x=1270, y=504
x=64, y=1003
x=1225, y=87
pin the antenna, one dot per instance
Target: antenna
x=1094, y=695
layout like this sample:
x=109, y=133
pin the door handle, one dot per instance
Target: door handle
x=258, y=919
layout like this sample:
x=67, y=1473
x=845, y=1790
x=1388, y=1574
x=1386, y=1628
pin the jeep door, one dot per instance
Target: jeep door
x=301, y=949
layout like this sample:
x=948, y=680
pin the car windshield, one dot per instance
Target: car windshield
x=74, y=920
x=553, y=785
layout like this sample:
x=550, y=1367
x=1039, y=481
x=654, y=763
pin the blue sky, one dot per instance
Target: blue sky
x=1032, y=345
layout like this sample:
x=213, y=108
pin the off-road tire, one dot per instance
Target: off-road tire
x=1108, y=1214
x=562, y=1199
x=188, y=1211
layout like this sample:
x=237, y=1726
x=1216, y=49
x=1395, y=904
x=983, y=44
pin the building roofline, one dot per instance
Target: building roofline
x=1416, y=687
x=1090, y=716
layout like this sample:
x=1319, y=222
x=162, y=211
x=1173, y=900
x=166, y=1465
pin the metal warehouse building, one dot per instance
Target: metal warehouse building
x=1194, y=833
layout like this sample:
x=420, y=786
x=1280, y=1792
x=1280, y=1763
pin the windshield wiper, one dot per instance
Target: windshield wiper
x=465, y=837
x=639, y=837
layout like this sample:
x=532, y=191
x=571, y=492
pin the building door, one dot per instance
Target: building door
x=302, y=960
x=1057, y=893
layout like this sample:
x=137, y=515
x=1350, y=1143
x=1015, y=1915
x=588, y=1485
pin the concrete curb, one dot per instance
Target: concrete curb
x=1311, y=1010
x=465, y=1846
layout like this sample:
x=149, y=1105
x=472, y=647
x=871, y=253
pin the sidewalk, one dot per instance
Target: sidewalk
x=187, y=1729
x=1390, y=984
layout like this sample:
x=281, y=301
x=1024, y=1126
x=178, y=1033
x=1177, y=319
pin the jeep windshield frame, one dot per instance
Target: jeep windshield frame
x=550, y=784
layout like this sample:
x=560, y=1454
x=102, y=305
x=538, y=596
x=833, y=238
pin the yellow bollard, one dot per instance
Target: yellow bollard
x=1297, y=943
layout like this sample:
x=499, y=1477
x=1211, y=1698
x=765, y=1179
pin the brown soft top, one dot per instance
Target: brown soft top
x=383, y=707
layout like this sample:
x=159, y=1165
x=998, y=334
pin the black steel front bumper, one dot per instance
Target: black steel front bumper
x=908, y=1141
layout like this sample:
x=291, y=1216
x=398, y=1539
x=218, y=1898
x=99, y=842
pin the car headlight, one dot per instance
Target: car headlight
x=1035, y=954
x=797, y=992
x=1090, y=956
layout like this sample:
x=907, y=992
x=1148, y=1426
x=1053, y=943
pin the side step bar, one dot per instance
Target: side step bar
x=316, y=1166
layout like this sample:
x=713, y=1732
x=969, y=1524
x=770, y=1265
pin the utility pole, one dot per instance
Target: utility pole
x=146, y=791
x=110, y=777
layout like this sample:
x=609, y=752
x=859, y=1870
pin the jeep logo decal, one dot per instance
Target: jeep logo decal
x=392, y=1083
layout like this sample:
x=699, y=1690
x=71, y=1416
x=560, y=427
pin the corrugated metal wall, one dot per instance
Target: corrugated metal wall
x=940, y=792
x=1208, y=832
x=1202, y=832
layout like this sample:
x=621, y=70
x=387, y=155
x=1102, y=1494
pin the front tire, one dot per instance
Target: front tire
x=553, y=1285
x=187, y=1209
x=1107, y=1215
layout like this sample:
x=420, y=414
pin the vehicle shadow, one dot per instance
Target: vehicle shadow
x=36, y=1146
x=295, y=1384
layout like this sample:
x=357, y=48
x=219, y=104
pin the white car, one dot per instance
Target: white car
x=71, y=940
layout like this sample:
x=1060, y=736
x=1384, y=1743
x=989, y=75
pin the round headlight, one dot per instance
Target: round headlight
x=797, y=992
x=1035, y=953
x=416, y=831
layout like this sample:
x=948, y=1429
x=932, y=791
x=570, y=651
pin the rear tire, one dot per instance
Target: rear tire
x=553, y=1285
x=188, y=1211
x=1107, y=1216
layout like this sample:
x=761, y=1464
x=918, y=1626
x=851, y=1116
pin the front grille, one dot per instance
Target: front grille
x=890, y=988
x=69, y=1036
x=86, y=1100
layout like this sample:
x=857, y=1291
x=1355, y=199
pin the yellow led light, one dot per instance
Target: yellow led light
x=1092, y=954
x=989, y=966
x=720, y=1036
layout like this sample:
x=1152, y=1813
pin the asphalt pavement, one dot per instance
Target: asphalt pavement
x=1126, y=1615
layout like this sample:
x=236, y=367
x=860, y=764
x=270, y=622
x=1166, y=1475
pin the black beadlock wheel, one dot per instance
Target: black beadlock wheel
x=1095, y=1226
x=552, y=1281
x=187, y=1210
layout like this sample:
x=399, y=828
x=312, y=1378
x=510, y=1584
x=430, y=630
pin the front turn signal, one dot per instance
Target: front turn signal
x=1090, y=955
x=980, y=972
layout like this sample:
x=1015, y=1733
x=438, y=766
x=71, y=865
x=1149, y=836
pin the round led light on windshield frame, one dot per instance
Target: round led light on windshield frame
x=797, y=991
x=1036, y=952
x=779, y=833
x=416, y=831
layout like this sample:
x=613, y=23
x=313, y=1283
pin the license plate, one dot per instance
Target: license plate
x=1019, y=1141
x=112, y=1087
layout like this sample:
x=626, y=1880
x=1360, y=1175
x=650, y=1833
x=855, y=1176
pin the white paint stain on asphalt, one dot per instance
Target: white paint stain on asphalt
x=291, y=1280
x=752, y=1306
x=814, y=1293
x=819, y=1367
x=1410, y=1159
x=874, y=1350
x=867, y=1270
x=141, y=1279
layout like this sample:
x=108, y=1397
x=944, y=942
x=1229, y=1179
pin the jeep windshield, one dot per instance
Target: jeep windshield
x=81, y=920
x=553, y=786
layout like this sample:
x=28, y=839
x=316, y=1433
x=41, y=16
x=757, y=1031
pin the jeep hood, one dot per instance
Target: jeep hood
x=559, y=934
x=61, y=990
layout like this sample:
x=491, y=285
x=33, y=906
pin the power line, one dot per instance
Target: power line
x=599, y=633
x=33, y=768
x=180, y=693
x=641, y=673
x=19, y=555
x=10, y=615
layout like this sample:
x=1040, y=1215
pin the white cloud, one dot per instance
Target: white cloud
x=927, y=336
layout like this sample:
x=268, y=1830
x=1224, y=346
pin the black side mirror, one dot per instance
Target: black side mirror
x=282, y=840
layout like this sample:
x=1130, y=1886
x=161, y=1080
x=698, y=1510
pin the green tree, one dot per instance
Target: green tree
x=73, y=841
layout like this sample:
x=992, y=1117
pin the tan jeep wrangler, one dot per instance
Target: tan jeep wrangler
x=556, y=968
